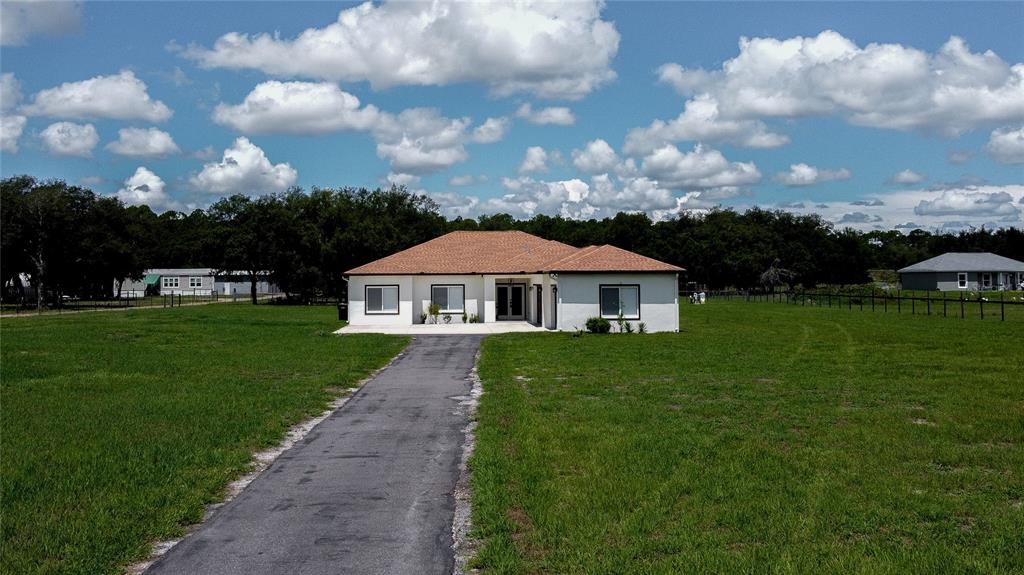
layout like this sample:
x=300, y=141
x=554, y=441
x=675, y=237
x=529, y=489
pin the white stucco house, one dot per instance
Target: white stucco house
x=486, y=276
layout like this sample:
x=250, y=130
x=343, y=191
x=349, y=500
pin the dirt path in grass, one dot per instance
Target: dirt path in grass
x=369, y=490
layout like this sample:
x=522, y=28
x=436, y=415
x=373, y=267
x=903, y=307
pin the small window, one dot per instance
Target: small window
x=194, y=282
x=986, y=280
x=170, y=282
x=961, y=280
x=382, y=299
x=621, y=300
x=451, y=298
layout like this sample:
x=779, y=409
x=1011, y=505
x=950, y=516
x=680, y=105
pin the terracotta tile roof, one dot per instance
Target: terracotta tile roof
x=609, y=258
x=474, y=252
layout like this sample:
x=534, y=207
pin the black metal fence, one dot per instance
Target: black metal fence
x=67, y=304
x=982, y=305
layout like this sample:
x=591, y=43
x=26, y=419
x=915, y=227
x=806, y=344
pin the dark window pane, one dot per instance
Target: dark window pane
x=610, y=301
x=374, y=299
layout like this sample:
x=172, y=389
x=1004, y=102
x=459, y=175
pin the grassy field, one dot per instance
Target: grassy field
x=117, y=428
x=764, y=438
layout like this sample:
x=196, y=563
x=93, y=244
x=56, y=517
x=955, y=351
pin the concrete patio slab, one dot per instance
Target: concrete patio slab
x=445, y=329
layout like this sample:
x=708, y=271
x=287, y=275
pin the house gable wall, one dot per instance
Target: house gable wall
x=579, y=299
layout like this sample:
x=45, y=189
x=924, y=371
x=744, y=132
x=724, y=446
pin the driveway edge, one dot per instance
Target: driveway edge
x=261, y=460
x=463, y=545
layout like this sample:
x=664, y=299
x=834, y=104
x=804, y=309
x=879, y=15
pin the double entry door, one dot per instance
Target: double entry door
x=510, y=302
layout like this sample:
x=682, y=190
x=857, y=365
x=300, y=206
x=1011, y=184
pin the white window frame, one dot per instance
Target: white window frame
x=961, y=280
x=170, y=282
x=449, y=298
x=195, y=281
x=383, y=310
x=618, y=288
x=986, y=280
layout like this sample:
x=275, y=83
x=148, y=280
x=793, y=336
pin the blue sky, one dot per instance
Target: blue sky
x=875, y=115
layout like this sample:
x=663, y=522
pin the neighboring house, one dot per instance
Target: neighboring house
x=192, y=281
x=514, y=276
x=964, y=271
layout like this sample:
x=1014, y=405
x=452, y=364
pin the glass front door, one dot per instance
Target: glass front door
x=509, y=303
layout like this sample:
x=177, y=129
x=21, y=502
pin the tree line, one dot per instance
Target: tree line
x=67, y=240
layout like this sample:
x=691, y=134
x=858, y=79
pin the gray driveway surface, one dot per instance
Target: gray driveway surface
x=369, y=490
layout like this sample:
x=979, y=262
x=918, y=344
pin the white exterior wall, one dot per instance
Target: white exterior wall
x=473, y=293
x=357, y=304
x=205, y=285
x=579, y=299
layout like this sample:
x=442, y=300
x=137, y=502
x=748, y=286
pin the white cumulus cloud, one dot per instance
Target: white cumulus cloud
x=421, y=141
x=297, y=108
x=120, y=96
x=11, y=128
x=244, y=169
x=701, y=121
x=144, y=188
x=907, y=178
x=596, y=157
x=968, y=202
x=552, y=49
x=20, y=20
x=11, y=125
x=70, y=139
x=889, y=86
x=557, y=115
x=806, y=175
x=699, y=169
x=1006, y=145
x=536, y=160
x=491, y=131
x=143, y=143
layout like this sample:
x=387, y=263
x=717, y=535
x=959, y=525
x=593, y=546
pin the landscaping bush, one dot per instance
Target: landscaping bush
x=598, y=325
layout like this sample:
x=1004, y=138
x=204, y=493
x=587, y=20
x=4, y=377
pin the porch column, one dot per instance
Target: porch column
x=487, y=313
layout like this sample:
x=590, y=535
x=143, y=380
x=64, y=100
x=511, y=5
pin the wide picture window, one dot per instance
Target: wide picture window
x=620, y=301
x=382, y=299
x=451, y=299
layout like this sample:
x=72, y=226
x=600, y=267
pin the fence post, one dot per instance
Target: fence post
x=961, y=306
x=928, y=301
x=899, y=302
x=830, y=300
x=913, y=306
x=1002, y=306
x=885, y=303
x=872, y=299
x=944, y=305
x=981, y=305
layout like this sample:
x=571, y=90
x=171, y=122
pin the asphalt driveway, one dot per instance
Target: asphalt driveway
x=369, y=490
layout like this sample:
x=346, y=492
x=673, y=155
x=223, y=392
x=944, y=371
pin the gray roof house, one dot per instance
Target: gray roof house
x=964, y=271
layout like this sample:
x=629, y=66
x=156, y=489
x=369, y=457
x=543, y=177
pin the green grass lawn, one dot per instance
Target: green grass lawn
x=764, y=438
x=117, y=428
